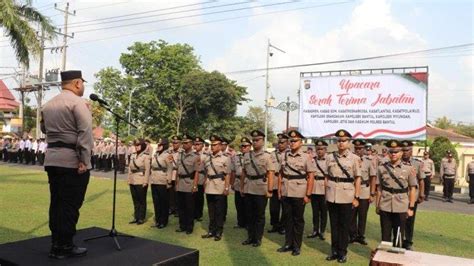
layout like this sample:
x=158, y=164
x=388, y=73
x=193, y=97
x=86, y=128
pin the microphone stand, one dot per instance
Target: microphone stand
x=113, y=232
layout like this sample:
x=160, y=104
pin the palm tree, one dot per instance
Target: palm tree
x=16, y=18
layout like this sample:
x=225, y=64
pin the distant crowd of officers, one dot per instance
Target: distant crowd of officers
x=182, y=171
x=23, y=150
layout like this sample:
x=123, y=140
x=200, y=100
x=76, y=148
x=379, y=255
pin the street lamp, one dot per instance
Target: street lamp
x=130, y=108
x=287, y=107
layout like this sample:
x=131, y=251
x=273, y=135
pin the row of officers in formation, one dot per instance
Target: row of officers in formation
x=342, y=183
x=23, y=150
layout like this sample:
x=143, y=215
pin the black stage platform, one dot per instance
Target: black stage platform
x=135, y=251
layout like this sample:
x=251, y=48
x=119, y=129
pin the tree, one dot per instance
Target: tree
x=16, y=18
x=439, y=148
x=443, y=123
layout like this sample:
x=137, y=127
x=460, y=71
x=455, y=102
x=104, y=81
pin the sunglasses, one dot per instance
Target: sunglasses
x=244, y=145
x=294, y=140
x=394, y=151
x=282, y=142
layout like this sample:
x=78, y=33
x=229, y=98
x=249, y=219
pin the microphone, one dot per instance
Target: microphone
x=96, y=98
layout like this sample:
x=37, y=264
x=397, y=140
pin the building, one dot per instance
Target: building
x=10, y=123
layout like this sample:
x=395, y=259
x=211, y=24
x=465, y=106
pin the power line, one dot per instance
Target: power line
x=353, y=59
x=158, y=15
x=209, y=22
x=182, y=17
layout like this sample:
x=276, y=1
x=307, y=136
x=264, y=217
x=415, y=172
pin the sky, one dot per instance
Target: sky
x=232, y=35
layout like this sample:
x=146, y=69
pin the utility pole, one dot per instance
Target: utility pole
x=267, y=87
x=65, y=34
x=39, y=95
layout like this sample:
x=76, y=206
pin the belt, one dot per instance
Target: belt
x=216, y=176
x=60, y=144
x=159, y=169
x=319, y=178
x=255, y=177
x=365, y=182
x=395, y=190
x=427, y=173
x=448, y=175
x=187, y=176
x=341, y=179
x=292, y=177
x=135, y=171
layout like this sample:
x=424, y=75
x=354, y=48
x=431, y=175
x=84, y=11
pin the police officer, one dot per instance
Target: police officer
x=470, y=179
x=295, y=188
x=396, y=194
x=186, y=183
x=199, y=194
x=367, y=187
x=342, y=194
x=67, y=123
x=429, y=172
x=447, y=171
x=407, y=159
x=138, y=179
x=121, y=152
x=245, y=145
x=216, y=185
x=318, y=198
x=259, y=169
x=229, y=153
x=161, y=176
x=275, y=203
x=173, y=157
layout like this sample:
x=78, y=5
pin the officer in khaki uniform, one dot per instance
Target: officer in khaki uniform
x=407, y=159
x=216, y=187
x=138, y=179
x=276, y=221
x=187, y=180
x=67, y=123
x=295, y=188
x=120, y=161
x=396, y=193
x=199, y=194
x=367, y=192
x=447, y=171
x=245, y=145
x=173, y=157
x=318, y=198
x=470, y=179
x=161, y=176
x=342, y=194
x=429, y=172
x=229, y=153
x=259, y=169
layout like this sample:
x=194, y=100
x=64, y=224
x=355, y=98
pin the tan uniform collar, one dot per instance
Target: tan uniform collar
x=344, y=154
x=219, y=154
x=259, y=152
x=298, y=153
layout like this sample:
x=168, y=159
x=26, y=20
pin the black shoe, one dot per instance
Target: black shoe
x=247, y=242
x=285, y=249
x=450, y=200
x=161, y=226
x=257, y=243
x=273, y=230
x=408, y=247
x=189, y=232
x=179, y=230
x=296, y=252
x=321, y=236
x=282, y=232
x=352, y=240
x=217, y=237
x=139, y=222
x=332, y=257
x=342, y=259
x=67, y=251
x=134, y=221
x=208, y=235
x=362, y=241
x=314, y=234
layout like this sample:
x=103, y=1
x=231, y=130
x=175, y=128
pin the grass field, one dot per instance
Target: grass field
x=24, y=199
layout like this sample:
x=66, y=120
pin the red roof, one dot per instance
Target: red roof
x=7, y=101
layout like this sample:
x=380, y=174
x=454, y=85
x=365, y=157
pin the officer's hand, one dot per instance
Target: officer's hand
x=371, y=199
x=145, y=184
x=421, y=198
x=306, y=200
x=242, y=193
x=410, y=213
x=195, y=189
x=82, y=168
x=377, y=210
x=269, y=194
x=279, y=194
x=226, y=192
x=355, y=203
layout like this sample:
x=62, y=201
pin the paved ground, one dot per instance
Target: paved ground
x=435, y=202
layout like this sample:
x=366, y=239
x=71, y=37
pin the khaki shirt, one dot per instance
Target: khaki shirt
x=428, y=167
x=469, y=170
x=139, y=169
x=367, y=170
x=202, y=172
x=121, y=150
x=342, y=192
x=191, y=161
x=161, y=169
x=301, y=162
x=418, y=166
x=222, y=164
x=318, y=186
x=263, y=163
x=174, y=159
x=277, y=157
x=397, y=202
x=67, y=119
x=237, y=168
x=448, y=169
